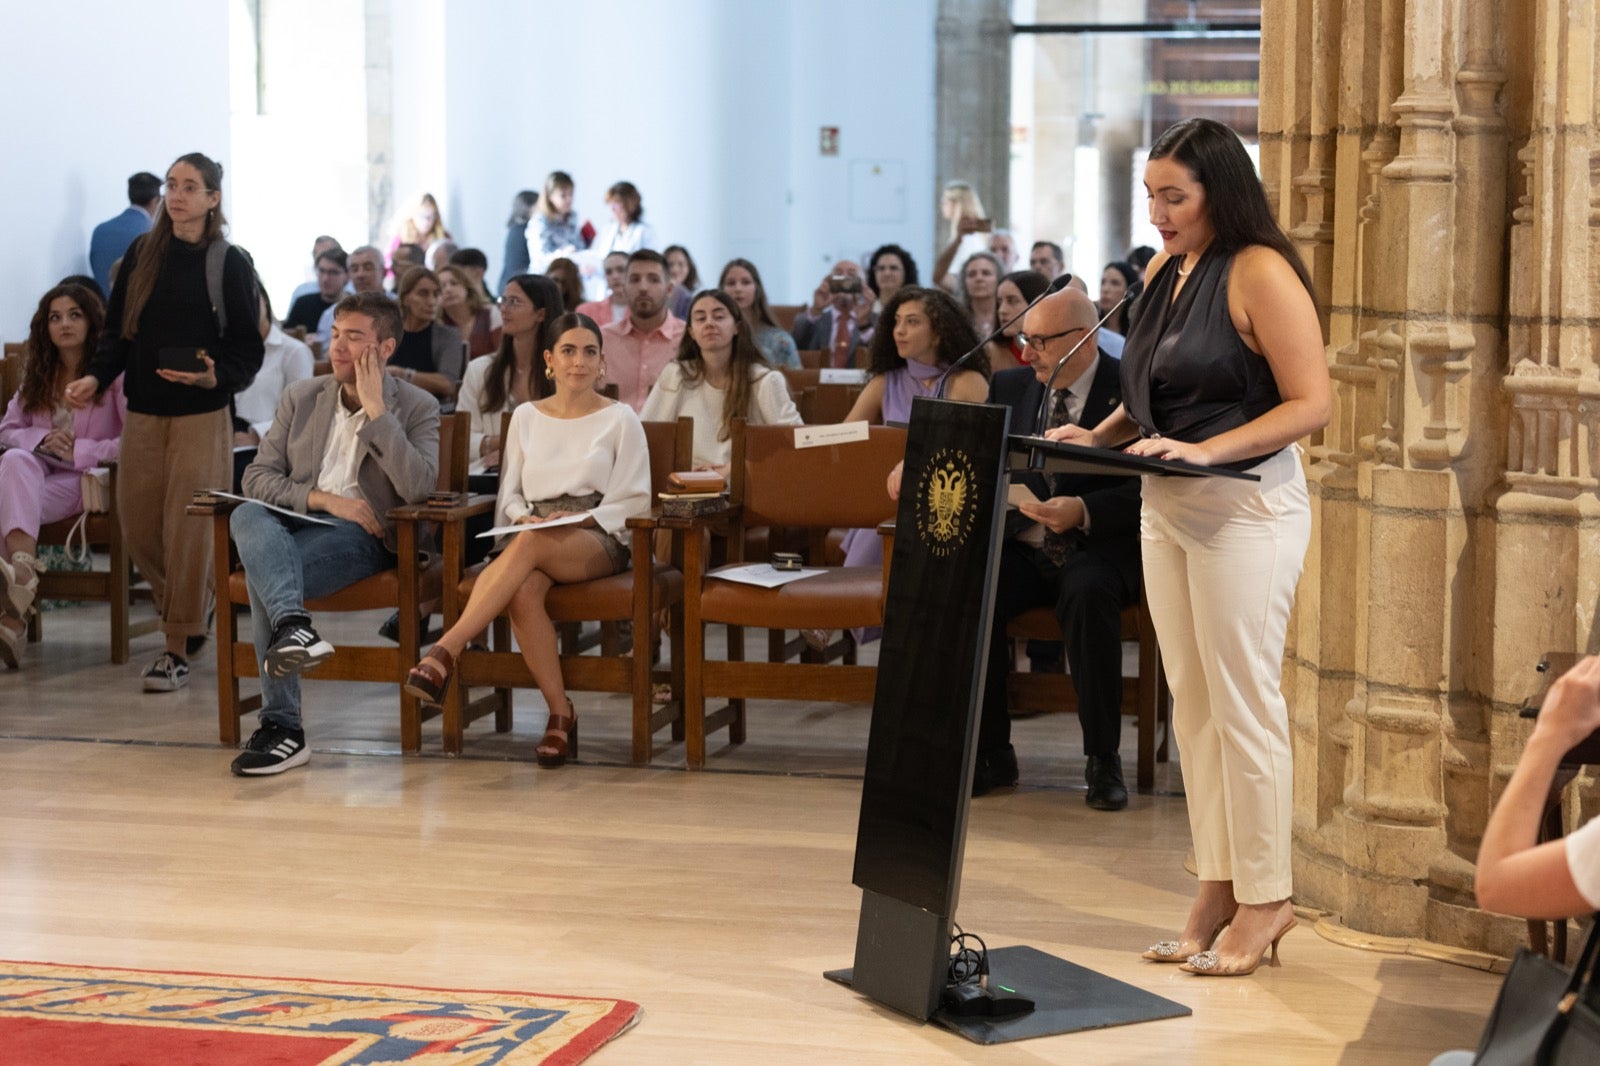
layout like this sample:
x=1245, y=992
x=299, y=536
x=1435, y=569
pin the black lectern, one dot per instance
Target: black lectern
x=920, y=750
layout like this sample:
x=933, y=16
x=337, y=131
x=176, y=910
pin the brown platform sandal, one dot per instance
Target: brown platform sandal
x=560, y=741
x=429, y=680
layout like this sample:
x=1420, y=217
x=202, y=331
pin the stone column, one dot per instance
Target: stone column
x=973, y=90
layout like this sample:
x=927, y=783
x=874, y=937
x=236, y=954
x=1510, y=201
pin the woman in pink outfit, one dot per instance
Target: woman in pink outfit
x=47, y=444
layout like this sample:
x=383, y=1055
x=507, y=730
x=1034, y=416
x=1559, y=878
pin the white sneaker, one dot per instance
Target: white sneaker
x=19, y=580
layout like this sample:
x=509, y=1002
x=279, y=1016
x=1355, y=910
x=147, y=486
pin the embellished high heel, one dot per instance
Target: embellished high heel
x=1180, y=950
x=560, y=741
x=1209, y=963
x=429, y=680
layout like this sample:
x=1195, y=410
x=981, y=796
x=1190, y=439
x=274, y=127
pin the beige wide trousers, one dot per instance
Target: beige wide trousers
x=1221, y=560
x=162, y=462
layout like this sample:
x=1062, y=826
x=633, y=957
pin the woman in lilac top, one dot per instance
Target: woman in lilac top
x=47, y=444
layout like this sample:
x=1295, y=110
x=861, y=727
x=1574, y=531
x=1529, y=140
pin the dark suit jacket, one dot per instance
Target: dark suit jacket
x=110, y=239
x=817, y=333
x=1112, y=502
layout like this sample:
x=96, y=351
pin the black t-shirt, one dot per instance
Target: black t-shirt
x=307, y=311
x=415, y=350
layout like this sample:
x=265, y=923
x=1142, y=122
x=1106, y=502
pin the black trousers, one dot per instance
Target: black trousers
x=1088, y=594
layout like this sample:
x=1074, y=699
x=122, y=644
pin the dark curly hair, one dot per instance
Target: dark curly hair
x=952, y=331
x=43, y=360
x=906, y=261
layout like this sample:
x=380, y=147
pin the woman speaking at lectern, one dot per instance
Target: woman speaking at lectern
x=1224, y=367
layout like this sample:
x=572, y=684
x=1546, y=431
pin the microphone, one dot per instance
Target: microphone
x=1044, y=401
x=1055, y=286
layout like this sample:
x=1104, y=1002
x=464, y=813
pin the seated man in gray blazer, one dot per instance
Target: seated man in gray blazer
x=343, y=450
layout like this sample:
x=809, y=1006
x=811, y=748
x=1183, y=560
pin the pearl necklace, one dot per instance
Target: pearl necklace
x=1182, y=273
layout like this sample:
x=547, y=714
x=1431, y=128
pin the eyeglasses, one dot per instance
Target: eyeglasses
x=1037, y=343
x=513, y=301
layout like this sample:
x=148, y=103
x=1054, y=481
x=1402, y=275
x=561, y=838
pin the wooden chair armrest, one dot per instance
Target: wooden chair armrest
x=460, y=512
x=720, y=520
x=645, y=521
x=204, y=503
x=886, y=528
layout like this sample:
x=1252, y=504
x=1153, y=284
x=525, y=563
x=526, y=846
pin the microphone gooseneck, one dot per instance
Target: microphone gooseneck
x=1055, y=286
x=1044, y=401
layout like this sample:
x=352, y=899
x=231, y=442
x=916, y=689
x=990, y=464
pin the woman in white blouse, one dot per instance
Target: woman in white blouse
x=497, y=383
x=719, y=375
x=573, y=453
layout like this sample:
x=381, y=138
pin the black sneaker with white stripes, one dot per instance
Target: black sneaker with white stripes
x=295, y=648
x=272, y=749
x=168, y=673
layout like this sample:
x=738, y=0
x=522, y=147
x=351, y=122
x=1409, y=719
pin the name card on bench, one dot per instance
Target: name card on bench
x=842, y=375
x=822, y=436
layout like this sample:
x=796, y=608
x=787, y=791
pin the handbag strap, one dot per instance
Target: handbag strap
x=80, y=530
x=1577, y=986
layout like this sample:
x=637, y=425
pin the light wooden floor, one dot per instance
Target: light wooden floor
x=714, y=899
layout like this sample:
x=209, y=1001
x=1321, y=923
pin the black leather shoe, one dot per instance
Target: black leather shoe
x=994, y=769
x=1106, y=790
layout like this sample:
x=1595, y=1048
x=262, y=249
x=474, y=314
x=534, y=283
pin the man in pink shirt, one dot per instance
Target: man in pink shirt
x=639, y=345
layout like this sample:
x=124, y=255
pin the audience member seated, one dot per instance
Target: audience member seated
x=404, y=258
x=1115, y=281
x=969, y=232
x=980, y=275
x=627, y=231
x=110, y=239
x=429, y=352
x=45, y=445
x=573, y=453
x=514, y=260
x=497, y=383
x=475, y=265
x=1075, y=550
x=564, y=272
x=419, y=225
x=322, y=244
x=643, y=342
x=1003, y=247
x=890, y=267
x=922, y=333
x=719, y=375
x=1047, y=258
x=366, y=275
x=347, y=447
x=438, y=253
x=685, y=278
x=1139, y=256
x=1016, y=291
x=1557, y=879
x=742, y=281
x=615, y=306
x=840, y=309
x=332, y=274
x=463, y=306
x=556, y=229
x=284, y=362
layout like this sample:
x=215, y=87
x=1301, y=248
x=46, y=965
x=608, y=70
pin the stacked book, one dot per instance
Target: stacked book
x=692, y=493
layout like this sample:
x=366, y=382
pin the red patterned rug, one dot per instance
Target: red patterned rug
x=50, y=1015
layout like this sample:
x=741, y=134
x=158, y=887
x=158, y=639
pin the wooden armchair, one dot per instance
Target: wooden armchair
x=637, y=595
x=776, y=484
x=1146, y=697
x=403, y=588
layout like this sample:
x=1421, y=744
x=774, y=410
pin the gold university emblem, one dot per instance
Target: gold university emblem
x=944, y=504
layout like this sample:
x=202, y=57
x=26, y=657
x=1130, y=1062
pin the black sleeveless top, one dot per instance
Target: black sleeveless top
x=1186, y=372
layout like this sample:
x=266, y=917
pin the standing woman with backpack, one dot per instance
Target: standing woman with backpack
x=182, y=330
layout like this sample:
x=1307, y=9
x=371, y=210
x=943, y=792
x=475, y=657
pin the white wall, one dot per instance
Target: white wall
x=712, y=108
x=89, y=99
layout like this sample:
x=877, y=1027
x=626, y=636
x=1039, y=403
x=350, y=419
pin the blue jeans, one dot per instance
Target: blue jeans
x=288, y=561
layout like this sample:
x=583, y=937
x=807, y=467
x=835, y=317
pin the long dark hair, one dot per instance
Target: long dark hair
x=552, y=333
x=745, y=364
x=564, y=272
x=152, y=246
x=1236, y=203
x=951, y=326
x=758, y=307
x=544, y=295
x=42, y=363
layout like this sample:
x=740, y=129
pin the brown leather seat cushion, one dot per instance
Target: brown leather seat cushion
x=842, y=598
x=608, y=599
x=380, y=592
